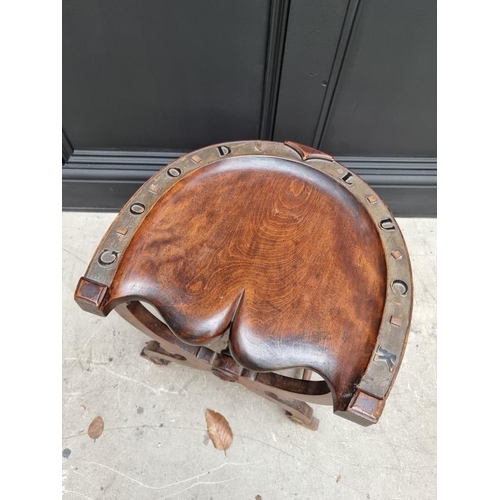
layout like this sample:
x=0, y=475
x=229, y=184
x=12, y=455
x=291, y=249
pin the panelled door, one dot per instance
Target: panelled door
x=147, y=81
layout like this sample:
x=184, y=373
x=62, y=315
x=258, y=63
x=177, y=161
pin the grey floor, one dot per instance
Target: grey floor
x=155, y=445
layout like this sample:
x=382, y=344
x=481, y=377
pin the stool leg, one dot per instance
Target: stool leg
x=153, y=353
x=297, y=411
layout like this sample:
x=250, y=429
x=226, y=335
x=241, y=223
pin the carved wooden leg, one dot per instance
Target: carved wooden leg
x=297, y=411
x=163, y=351
x=151, y=351
x=155, y=353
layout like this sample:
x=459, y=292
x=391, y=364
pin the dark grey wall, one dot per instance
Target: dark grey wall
x=385, y=98
x=173, y=75
x=313, y=35
x=145, y=81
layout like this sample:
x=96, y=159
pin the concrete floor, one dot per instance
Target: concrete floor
x=155, y=445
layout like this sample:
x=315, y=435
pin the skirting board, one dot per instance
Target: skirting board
x=104, y=181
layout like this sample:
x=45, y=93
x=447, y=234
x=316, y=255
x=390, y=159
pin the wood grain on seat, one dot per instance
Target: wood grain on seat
x=280, y=251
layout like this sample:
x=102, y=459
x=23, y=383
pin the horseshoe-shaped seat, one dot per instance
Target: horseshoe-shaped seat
x=280, y=251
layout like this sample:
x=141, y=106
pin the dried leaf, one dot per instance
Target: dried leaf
x=96, y=428
x=218, y=429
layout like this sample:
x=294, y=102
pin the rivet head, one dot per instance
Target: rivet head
x=396, y=321
x=397, y=254
x=137, y=208
x=107, y=257
x=174, y=172
x=372, y=199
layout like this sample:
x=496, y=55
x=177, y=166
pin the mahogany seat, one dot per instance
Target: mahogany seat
x=277, y=253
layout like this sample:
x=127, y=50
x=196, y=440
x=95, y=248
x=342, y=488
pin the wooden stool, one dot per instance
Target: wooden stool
x=278, y=254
